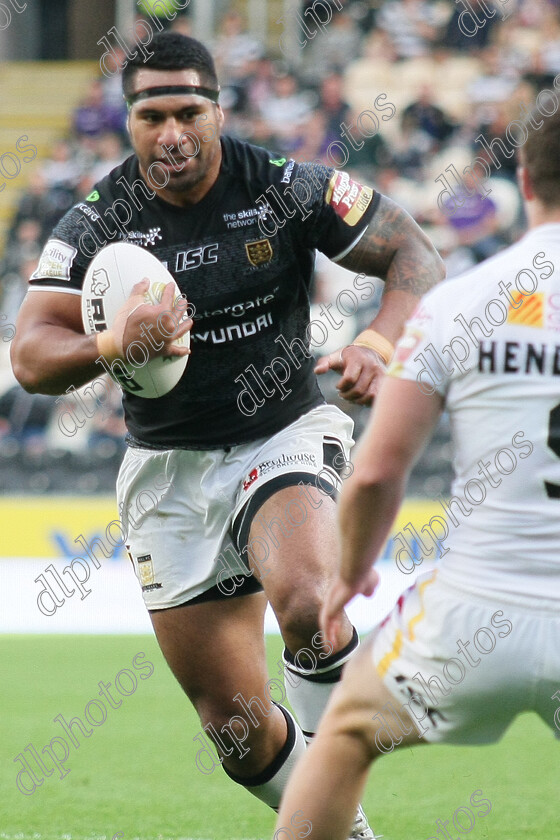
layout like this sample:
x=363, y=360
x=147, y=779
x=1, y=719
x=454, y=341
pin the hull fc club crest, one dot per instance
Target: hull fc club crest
x=259, y=252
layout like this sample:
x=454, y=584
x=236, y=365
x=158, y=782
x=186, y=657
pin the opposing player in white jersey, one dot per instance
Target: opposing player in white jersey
x=476, y=642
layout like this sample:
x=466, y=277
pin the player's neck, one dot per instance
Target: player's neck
x=538, y=214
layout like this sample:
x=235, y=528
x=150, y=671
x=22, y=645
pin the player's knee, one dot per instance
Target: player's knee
x=297, y=610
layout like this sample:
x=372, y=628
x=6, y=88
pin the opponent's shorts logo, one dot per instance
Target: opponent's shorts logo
x=348, y=198
x=259, y=252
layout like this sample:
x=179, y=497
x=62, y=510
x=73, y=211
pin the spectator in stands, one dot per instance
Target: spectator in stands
x=94, y=116
x=25, y=417
x=61, y=168
x=412, y=26
x=410, y=149
x=333, y=105
x=110, y=153
x=331, y=49
x=462, y=35
x=19, y=263
x=424, y=115
x=235, y=48
x=287, y=110
x=259, y=83
x=547, y=59
x=33, y=205
x=474, y=219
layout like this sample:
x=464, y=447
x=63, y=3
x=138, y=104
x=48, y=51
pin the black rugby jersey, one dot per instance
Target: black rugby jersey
x=243, y=256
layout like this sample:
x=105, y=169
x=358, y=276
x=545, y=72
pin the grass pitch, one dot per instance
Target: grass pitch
x=135, y=777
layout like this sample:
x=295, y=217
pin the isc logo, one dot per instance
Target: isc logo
x=186, y=260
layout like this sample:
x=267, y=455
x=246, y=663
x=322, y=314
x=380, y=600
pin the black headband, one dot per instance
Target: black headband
x=170, y=90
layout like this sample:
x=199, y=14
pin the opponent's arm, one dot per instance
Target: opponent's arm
x=402, y=422
x=50, y=352
x=395, y=249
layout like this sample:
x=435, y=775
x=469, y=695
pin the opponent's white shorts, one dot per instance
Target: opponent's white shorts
x=464, y=665
x=187, y=514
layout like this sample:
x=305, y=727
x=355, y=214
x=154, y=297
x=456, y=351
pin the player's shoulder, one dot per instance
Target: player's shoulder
x=265, y=168
x=102, y=195
x=523, y=265
x=475, y=283
x=80, y=232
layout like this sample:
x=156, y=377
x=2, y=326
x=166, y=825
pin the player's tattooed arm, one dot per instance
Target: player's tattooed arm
x=395, y=249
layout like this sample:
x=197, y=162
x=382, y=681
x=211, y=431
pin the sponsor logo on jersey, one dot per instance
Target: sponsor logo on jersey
x=259, y=252
x=234, y=332
x=253, y=475
x=531, y=314
x=243, y=218
x=91, y=212
x=56, y=261
x=195, y=257
x=136, y=237
x=348, y=198
x=93, y=196
x=238, y=310
x=288, y=173
x=278, y=161
x=101, y=282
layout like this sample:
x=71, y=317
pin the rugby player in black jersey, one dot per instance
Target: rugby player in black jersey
x=253, y=456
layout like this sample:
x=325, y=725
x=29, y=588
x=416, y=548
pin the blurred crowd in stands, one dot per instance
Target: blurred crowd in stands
x=451, y=72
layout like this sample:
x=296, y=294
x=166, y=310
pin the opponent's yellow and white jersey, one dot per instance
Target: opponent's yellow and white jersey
x=489, y=342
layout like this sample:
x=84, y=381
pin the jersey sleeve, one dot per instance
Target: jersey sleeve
x=416, y=355
x=67, y=254
x=334, y=208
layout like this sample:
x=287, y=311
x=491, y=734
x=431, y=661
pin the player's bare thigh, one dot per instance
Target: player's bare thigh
x=302, y=561
x=362, y=707
x=216, y=651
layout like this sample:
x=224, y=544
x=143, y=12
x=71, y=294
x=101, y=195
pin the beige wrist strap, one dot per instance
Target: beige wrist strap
x=375, y=341
x=106, y=346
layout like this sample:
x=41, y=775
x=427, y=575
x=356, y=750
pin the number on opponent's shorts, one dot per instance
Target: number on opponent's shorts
x=553, y=442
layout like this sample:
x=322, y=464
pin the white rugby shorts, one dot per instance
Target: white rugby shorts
x=188, y=513
x=464, y=666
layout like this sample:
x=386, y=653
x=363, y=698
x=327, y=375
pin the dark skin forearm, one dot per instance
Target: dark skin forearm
x=396, y=250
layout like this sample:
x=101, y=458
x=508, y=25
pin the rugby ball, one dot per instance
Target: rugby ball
x=108, y=283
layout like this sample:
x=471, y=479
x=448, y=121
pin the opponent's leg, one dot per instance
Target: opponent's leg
x=216, y=651
x=329, y=780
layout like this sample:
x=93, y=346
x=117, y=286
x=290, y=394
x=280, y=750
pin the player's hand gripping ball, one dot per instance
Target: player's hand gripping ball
x=108, y=283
